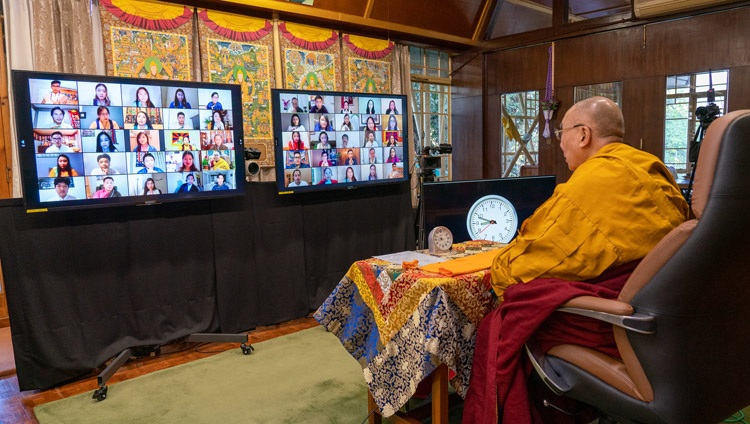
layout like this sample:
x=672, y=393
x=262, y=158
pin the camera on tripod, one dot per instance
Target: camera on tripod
x=429, y=161
x=707, y=114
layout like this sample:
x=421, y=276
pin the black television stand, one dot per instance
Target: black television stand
x=154, y=350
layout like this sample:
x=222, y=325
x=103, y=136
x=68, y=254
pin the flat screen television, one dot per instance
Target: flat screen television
x=338, y=140
x=89, y=140
x=478, y=209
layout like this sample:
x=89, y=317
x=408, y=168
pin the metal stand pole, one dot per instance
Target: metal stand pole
x=120, y=360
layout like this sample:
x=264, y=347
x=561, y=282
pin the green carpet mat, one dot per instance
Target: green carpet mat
x=305, y=377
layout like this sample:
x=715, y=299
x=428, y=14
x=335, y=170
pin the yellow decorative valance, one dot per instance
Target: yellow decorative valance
x=150, y=15
x=370, y=48
x=235, y=27
x=307, y=37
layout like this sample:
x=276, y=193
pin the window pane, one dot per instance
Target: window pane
x=585, y=9
x=687, y=111
x=519, y=131
x=417, y=57
x=434, y=129
x=433, y=59
x=610, y=90
x=516, y=17
x=416, y=91
x=432, y=98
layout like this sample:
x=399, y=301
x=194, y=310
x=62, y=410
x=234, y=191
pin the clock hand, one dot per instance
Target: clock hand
x=483, y=219
x=488, y=225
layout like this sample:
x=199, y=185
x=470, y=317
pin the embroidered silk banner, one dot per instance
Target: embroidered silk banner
x=239, y=50
x=364, y=72
x=310, y=57
x=132, y=51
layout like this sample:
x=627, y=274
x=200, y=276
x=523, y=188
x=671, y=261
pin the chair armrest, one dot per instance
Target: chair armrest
x=611, y=311
x=538, y=361
x=593, y=303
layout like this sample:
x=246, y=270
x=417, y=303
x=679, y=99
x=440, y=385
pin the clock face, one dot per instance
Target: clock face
x=440, y=239
x=493, y=218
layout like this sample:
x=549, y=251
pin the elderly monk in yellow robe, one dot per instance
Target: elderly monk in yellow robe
x=619, y=202
x=584, y=240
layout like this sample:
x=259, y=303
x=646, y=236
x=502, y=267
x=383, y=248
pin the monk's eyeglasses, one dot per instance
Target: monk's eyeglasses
x=558, y=132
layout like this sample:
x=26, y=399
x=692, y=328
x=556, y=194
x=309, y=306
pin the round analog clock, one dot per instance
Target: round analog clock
x=440, y=240
x=492, y=217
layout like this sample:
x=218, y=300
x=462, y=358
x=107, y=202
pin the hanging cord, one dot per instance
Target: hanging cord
x=548, y=89
x=548, y=92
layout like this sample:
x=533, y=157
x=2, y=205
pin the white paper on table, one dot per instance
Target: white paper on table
x=409, y=255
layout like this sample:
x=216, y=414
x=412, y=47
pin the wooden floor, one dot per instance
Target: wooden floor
x=16, y=407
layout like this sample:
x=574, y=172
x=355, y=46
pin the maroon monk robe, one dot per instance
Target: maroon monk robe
x=498, y=375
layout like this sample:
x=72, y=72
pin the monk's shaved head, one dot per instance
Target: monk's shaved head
x=588, y=126
x=603, y=116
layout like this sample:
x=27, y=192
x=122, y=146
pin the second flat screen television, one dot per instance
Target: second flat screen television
x=330, y=140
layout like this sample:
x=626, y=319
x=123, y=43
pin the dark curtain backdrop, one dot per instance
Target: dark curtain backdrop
x=283, y=255
x=84, y=285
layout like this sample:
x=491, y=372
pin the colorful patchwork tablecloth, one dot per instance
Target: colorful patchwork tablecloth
x=401, y=325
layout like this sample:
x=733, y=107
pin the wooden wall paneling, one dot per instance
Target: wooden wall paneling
x=356, y=8
x=509, y=71
x=640, y=56
x=468, y=78
x=643, y=106
x=739, y=88
x=599, y=58
x=491, y=159
x=466, y=107
x=459, y=16
x=520, y=69
x=551, y=159
x=467, y=138
x=716, y=40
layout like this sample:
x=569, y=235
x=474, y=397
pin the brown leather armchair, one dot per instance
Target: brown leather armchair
x=681, y=323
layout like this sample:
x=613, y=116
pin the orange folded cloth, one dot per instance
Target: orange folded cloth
x=463, y=265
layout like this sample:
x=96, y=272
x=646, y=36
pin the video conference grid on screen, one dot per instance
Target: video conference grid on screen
x=96, y=140
x=339, y=138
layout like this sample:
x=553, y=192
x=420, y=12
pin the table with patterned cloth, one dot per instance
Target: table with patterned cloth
x=402, y=324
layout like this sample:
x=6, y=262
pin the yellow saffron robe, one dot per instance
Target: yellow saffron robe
x=616, y=206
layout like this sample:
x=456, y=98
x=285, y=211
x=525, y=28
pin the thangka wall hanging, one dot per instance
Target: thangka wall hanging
x=146, y=39
x=309, y=55
x=239, y=50
x=368, y=64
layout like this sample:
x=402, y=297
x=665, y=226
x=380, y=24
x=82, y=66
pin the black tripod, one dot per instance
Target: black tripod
x=695, y=147
x=706, y=115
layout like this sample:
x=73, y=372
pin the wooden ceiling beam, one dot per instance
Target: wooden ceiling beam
x=368, y=8
x=485, y=17
x=338, y=20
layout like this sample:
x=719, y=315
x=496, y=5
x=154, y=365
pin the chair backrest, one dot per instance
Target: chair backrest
x=696, y=282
